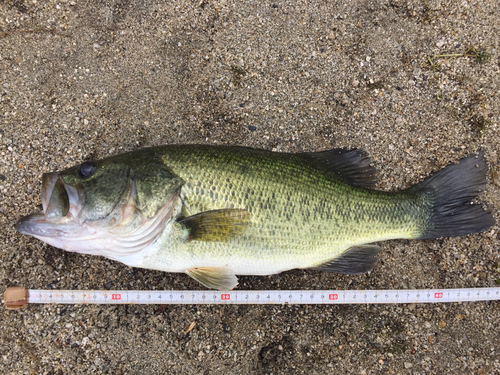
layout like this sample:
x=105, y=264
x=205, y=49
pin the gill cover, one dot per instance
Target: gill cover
x=112, y=207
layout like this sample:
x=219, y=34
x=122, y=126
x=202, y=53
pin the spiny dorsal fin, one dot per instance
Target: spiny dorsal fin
x=217, y=225
x=352, y=165
x=356, y=260
x=219, y=278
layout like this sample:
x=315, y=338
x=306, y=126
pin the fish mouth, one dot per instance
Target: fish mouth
x=61, y=204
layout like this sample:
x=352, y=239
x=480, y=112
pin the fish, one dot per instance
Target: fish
x=214, y=212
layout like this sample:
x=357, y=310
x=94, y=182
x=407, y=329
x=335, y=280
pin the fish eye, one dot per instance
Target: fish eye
x=86, y=170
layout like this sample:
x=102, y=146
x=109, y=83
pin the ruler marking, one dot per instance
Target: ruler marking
x=262, y=297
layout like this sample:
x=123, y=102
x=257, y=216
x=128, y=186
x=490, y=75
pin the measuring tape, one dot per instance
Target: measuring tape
x=18, y=296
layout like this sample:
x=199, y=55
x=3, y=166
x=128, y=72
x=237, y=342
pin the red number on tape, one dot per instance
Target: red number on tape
x=438, y=295
x=116, y=296
x=333, y=296
x=225, y=296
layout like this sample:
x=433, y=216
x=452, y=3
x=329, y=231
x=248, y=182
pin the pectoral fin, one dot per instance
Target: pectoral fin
x=356, y=260
x=217, y=225
x=214, y=277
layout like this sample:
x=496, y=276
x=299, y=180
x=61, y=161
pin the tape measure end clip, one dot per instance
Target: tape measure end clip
x=15, y=297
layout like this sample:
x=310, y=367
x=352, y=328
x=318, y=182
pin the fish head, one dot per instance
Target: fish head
x=112, y=207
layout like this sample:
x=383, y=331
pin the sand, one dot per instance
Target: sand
x=413, y=82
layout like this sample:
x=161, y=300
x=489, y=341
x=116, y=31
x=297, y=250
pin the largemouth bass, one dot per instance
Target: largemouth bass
x=215, y=212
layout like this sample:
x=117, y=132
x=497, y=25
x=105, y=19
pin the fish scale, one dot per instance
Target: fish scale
x=298, y=188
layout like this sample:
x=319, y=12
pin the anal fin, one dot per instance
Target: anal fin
x=356, y=260
x=219, y=278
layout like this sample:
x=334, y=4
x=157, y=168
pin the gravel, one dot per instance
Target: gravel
x=413, y=82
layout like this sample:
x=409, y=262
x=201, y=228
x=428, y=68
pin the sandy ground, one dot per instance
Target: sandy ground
x=86, y=79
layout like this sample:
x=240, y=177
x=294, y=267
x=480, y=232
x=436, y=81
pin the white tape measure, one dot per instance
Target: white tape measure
x=18, y=297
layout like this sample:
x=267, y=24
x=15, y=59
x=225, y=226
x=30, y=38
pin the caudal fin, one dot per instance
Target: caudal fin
x=450, y=193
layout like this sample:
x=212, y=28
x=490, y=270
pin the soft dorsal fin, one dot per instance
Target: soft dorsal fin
x=217, y=225
x=356, y=260
x=220, y=278
x=352, y=165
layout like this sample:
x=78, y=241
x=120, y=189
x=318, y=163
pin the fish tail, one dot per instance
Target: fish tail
x=449, y=194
